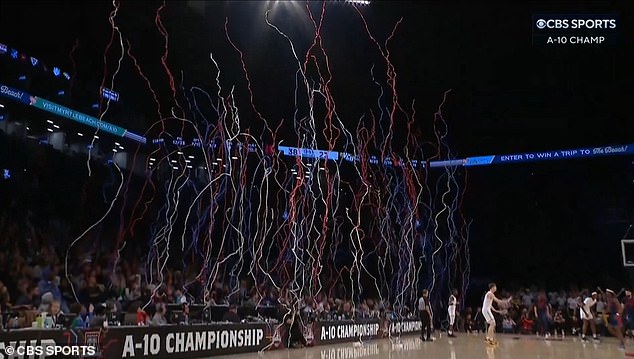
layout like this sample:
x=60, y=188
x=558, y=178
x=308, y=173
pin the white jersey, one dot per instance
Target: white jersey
x=452, y=300
x=586, y=312
x=488, y=302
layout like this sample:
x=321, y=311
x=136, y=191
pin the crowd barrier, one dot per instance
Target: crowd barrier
x=198, y=340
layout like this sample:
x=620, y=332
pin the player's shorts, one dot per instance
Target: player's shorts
x=585, y=316
x=615, y=321
x=452, y=313
x=488, y=316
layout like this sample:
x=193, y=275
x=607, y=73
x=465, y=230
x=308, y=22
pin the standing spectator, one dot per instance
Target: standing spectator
x=543, y=314
x=573, y=305
x=527, y=298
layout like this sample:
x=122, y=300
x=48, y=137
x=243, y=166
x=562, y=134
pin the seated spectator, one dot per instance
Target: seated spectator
x=560, y=323
x=25, y=296
x=48, y=285
x=508, y=325
x=141, y=316
x=527, y=322
x=469, y=325
x=133, y=290
x=80, y=311
x=93, y=292
x=159, y=316
x=45, y=303
x=480, y=323
x=231, y=315
x=56, y=313
x=179, y=297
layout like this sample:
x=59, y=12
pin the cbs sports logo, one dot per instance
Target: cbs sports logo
x=576, y=23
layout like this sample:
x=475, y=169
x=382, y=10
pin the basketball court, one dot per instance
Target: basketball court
x=463, y=347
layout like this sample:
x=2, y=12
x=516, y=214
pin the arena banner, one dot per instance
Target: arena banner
x=193, y=341
x=77, y=116
x=196, y=341
x=347, y=331
x=588, y=152
x=406, y=326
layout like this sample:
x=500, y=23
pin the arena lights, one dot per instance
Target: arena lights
x=56, y=71
x=358, y=2
x=3, y=49
x=34, y=61
x=80, y=134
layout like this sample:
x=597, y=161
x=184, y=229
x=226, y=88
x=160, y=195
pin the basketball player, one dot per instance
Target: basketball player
x=615, y=322
x=587, y=316
x=487, y=311
x=453, y=301
x=424, y=311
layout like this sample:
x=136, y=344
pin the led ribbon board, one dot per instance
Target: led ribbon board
x=62, y=111
x=588, y=152
x=308, y=153
x=73, y=115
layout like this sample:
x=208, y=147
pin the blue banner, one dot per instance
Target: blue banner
x=77, y=116
x=308, y=153
x=588, y=152
x=15, y=95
